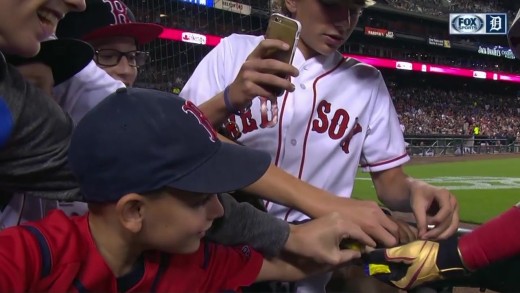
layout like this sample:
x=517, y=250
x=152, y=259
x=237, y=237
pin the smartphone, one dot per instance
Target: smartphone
x=285, y=29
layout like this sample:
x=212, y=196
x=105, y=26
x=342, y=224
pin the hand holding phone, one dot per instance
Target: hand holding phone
x=287, y=30
x=267, y=70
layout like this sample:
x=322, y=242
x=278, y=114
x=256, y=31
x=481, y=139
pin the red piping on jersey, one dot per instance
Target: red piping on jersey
x=385, y=162
x=278, y=149
x=304, y=148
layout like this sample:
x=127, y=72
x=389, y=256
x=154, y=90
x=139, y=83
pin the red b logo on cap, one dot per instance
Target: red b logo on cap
x=119, y=11
x=189, y=107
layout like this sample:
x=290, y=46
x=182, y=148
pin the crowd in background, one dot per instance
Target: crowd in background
x=428, y=110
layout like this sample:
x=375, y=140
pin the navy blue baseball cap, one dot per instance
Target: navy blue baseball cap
x=141, y=140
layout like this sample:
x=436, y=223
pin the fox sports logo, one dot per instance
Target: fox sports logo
x=467, y=23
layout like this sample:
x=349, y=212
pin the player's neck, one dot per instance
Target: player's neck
x=117, y=251
x=306, y=51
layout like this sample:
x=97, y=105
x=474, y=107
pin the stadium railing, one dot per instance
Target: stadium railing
x=459, y=146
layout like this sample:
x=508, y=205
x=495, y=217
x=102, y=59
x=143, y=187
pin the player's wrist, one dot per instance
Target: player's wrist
x=215, y=110
x=295, y=239
x=449, y=260
x=233, y=107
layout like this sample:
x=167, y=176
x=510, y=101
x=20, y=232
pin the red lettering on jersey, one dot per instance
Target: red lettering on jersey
x=265, y=121
x=346, y=141
x=335, y=127
x=119, y=11
x=339, y=124
x=248, y=122
x=321, y=124
x=189, y=107
x=231, y=129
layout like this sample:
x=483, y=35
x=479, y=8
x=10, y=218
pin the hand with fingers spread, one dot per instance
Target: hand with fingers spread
x=430, y=205
x=367, y=215
x=434, y=206
x=319, y=240
x=259, y=76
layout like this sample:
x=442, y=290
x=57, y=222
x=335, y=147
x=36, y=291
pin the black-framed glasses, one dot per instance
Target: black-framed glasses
x=112, y=57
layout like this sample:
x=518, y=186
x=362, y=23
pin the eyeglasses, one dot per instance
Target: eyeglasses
x=111, y=57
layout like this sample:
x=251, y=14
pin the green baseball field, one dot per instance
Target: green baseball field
x=484, y=188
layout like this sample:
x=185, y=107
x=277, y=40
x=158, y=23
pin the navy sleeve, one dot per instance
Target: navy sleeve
x=244, y=224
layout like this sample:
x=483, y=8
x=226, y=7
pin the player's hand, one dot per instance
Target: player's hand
x=416, y=263
x=368, y=216
x=319, y=240
x=259, y=75
x=434, y=206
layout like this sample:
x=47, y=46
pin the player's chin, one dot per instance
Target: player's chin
x=24, y=47
x=190, y=246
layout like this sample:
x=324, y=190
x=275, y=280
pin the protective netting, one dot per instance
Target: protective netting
x=172, y=61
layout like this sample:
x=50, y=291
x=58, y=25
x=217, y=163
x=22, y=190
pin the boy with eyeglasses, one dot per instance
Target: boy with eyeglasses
x=110, y=27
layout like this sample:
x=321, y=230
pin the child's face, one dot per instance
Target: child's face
x=25, y=23
x=324, y=27
x=107, y=52
x=176, y=221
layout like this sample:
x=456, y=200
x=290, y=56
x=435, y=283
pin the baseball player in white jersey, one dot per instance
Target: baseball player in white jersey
x=336, y=113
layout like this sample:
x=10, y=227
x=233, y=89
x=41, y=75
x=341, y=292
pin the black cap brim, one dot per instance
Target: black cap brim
x=143, y=33
x=65, y=57
x=242, y=166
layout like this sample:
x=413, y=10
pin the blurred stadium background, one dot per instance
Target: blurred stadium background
x=446, y=88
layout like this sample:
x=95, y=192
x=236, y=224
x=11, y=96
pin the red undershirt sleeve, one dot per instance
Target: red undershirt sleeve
x=496, y=240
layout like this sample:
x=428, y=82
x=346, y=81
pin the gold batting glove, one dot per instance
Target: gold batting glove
x=416, y=263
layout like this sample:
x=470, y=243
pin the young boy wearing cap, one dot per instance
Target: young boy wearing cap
x=47, y=69
x=151, y=197
x=110, y=27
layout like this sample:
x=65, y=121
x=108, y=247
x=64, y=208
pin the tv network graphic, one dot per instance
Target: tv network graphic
x=478, y=23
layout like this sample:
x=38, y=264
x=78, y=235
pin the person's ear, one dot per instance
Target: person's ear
x=130, y=211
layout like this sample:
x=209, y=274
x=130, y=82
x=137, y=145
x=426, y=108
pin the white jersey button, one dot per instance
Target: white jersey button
x=302, y=86
x=306, y=67
x=293, y=141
